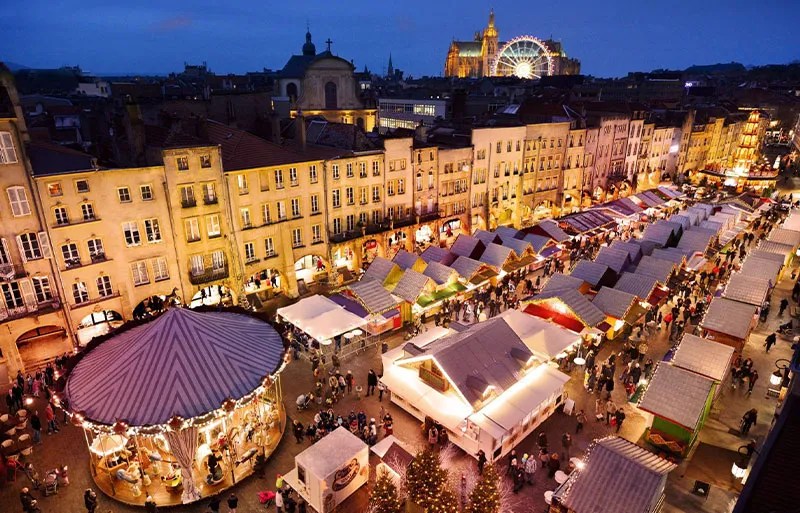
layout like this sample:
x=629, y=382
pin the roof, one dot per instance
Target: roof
x=544, y=338
x=322, y=318
x=761, y=254
x=296, y=66
x=658, y=233
x=52, y=159
x=537, y=241
x=486, y=237
x=682, y=220
x=640, y=285
x=646, y=245
x=508, y=232
x=467, y=246
x=560, y=281
x=747, y=289
x=612, y=302
x=173, y=137
x=587, y=220
x=405, y=259
x=411, y=285
x=696, y=239
x=590, y=272
x=496, y=255
x=183, y=363
x=674, y=255
x=581, y=307
x=729, y=317
x=619, y=477
x=634, y=250
x=437, y=254
x=519, y=246
x=439, y=273
x=372, y=296
x=468, y=48
x=552, y=229
x=380, y=269
x=466, y=267
x=705, y=357
x=762, y=267
x=616, y=259
x=777, y=248
x=656, y=267
x=677, y=395
x=325, y=456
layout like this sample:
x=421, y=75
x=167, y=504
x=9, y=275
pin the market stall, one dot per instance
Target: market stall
x=407, y=260
x=380, y=308
x=595, y=274
x=643, y=286
x=410, y=288
x=500, y=257
x=384, y=271
x=473, y=273
x=560, y=281
x=617, y=259
x=569, y=308
x=179, y=407
x=704, y=357
x=622, y=309
x=321, y=318
x=729, y=322
x=747, y=289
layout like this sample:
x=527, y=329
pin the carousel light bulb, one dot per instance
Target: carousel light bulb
x=29, y=401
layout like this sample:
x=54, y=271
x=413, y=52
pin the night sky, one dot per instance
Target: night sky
x=610, y=38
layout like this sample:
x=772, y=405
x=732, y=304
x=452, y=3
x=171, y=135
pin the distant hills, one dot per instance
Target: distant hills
x=731, y=68
x=13, y=66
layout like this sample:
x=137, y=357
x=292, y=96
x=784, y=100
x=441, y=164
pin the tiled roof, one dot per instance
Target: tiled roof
x=496, y=255
x=519, y=246
x=441, y=274
x=559, y=281
x=729, y=317
x=705, y=357
x=344, y=136
x=711, y=225
x=486, y=237
x=372, y=296
x=507, y=231
x=640, y=285
x=658, y=233
x=656, y=267
x=411, y=285
x=612, y=302
x=765, y=255
x=696, y=239
x=682, y=220
x=677, y=395
x=747, y=289
x=590, y=272
x=616, y=259
x=583, y=309
x=468, y=246
x=777, y=248
x=647, y=246
x=296, y=66
x=160, y=137
x=619, y=477
x=380, y=269
x=437, y=254
x=405, y=259
x=466, y=267
x=52, y=159
x=761, y=267
x=784, y=236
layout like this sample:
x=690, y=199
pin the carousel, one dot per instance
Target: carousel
x=181, y=407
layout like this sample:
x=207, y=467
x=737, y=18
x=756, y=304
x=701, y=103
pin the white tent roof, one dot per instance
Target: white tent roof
x=706, y=357
x=321, y=318
x=540, y=336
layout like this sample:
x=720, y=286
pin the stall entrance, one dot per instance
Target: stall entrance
x=424, y=237
x=212, y=295
x=97, y=324
x=543, y=210
x=41, y=344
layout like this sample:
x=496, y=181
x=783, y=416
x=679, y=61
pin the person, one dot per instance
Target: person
x=611, y=408
x=553, y=465
x=349, y=381
x=433, y=436
x=530, y=467
x=213, y=505
x=279, y=501
x=298, y=429
x=581, y=418
x=619, y=416
x=150, y=505
x=783, y=305
x=372, y=382
x=36, y=425
x=233, y=503
x=748, y=420
x=50, y=416
x=566, y=443
x=90, y=500
x=381, y=390
x=770, y=341
x=26, y=499
x=519, y=479
x=752, y=379
x=481, y=461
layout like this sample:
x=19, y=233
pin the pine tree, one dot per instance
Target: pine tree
x=427, y=486
x=383, y=498
x=485, y=497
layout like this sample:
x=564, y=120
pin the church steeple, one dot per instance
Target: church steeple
x=308, y=47
x=390, y=68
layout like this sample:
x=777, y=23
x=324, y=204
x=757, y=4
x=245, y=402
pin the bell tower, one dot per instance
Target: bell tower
x=488, y=46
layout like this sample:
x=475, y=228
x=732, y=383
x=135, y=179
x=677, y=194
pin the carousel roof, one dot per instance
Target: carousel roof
x=182, y=363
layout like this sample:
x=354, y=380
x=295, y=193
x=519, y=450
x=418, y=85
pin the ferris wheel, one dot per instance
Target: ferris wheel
x=523, y=57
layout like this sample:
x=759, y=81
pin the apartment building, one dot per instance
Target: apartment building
x=455, y=172
x=498, y=153
x=543, y=180
x=399, y=193
x=576, y=162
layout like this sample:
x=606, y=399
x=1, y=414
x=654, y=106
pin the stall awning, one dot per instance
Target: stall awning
x=321, y=318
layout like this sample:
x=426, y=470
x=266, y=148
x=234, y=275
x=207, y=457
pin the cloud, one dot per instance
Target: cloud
x=172, y=24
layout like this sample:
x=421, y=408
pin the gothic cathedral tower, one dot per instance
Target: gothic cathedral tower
x=489, y=46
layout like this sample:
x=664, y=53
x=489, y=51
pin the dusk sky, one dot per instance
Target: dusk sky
x=610, y=38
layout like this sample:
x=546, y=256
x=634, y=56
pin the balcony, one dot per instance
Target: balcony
x=98, y=257
x=210, y=200
x=11, y=271
x=94, y=301
x=188, y=202
x=73, y=222
x=18, y=312
x=72, y=263
x=208, y=275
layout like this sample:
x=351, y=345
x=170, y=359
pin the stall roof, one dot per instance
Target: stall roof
x=545, y=339
x=581, y=307
x=406, y=260
x=776, y=248
x=640, y=285
x=661, y=234
x=324, y=457
x=784, y=236
x=497, y=256
x=321, y=317
x=682, y=220
x=674, y=255
x=560, y=281
x=729, y=317
x=614, y=303
x=792, y=222
x=393, y=453
x=653, y=196
x=411, y=285
x=747, y=289
x=647, y=246
x=702, y=356
x=437, y=254
x=634, y=250
x=656, y=267
x=761, y=254
x=696, y=239
x=519, y=246
x=669, y=191
x=619, y=476
x=507, y=231
x=616, y=259
x=439, y=273
x=592, y=272
x=467, y=246
x=694, y=216
x=552, y=229
x=716, y=227
x=486, y=237
x=586, y=221
x=381, y=269
x=677, y=395
x=467, y=267
x=705, y=208
x=372, y=296
x=760, y=267
x=539, y=242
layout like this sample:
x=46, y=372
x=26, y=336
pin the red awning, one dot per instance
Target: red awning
x=657, y=295
x=569, y=322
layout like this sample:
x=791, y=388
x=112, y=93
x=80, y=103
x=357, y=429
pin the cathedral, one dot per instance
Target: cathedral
x=477, y=58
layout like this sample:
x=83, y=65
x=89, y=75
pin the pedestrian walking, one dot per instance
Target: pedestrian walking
x=752, y=381
x=783, y=305
x=233, y=503
x=349, y=381
x=530, y=468
x=279, y=501
x=50, y=417
x=150, y=505
x=619, y=418
x=36, y=425
x=749, y=420
x=611, y=409
x=770, y=341
x=581, y=418
x=372, y=382
x=481, y=461
x=566, y=443
x=381, y=390
x=213, y=504
x=90, y=500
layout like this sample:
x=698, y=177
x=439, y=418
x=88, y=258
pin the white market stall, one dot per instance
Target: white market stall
x=330, y=471
x=324, y=320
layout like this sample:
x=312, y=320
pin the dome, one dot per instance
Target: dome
x=183, y=363
x=309, y=48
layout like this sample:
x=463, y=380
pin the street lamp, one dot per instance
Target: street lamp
x=781, y=372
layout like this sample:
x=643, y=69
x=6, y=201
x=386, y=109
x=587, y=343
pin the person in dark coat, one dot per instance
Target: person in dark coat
x=481, y=461
x=213, y=505
x=233, y=503
x=90, y=500
x=372, y=382
x=150, y=505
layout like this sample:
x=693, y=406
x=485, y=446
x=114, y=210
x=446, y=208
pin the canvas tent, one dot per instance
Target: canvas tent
x=321, y=318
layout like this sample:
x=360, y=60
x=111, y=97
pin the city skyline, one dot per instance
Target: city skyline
x=158, y=38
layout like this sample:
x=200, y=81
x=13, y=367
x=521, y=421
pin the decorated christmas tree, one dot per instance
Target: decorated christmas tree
x=485, y=497
x=427, y=485
x=383, y=498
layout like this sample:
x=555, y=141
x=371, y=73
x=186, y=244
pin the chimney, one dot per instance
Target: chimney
x=300, y=127
x=275, y=127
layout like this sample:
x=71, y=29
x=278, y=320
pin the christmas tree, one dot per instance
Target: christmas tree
x=383, y=498
x=427, y=485
x=485, y=497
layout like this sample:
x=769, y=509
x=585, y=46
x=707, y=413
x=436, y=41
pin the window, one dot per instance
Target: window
x=335, y=171
x=362, y=218
x=266, y=214
x=244, y=214
x=362, y=195
x=293, y=177
x=187, y=196
x=401, y=186
x=197, y=265
x=212, y=226
x=19, y=201
x=96, y=251
x=61, y=216
x=350, y=196
x=335, y=199
x=8, y=155
x=5, y=254
x=297, y=237
x=13, y=295
x=104, y=286
x=54, y=189
x=263, y=179
x=131, y=232
x=152, y=230
x=314, y=204
x=82, y=185
x=79, y=292
x=337, y=226
x=376, y=216
x=350, y=223
x=241, y=181
x=124, y=195
x=390, y=188
x=362, y=169
x=376, y=193
x=139, y=271
x=160, y=269
x=249, y=252
x=419, y=181
x=281, y=210
x=376, y=168
x=209, y=193
x=278, y=179
x=349, y=170
x=316, y=234
x=295, y=207
x=70, y=253
x=269, y=246
x=499, y=147
x=41, y=288
x=205, y=161
x=192, y=230
x=218, y=260
x=146, y=192
x=330, y=96
x=182, y=163
x=312, y=173
x=431, y=180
